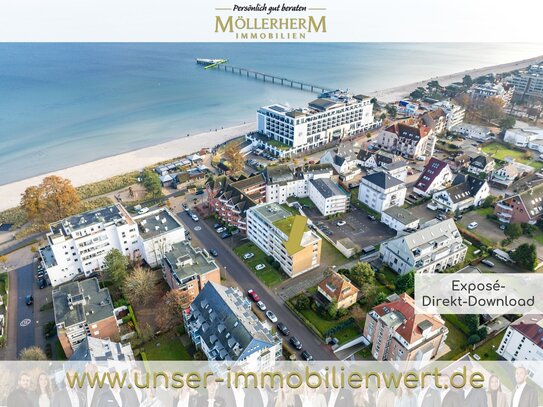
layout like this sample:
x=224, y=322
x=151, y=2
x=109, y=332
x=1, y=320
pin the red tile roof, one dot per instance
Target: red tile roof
x=430, y=173
x=531, y=326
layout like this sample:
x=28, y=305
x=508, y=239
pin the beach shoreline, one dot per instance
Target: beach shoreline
x=399, y=92
x=104, y=168
x=134, y=160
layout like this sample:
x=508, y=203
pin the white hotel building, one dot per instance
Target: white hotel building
x=285, y=131
x=78, y=244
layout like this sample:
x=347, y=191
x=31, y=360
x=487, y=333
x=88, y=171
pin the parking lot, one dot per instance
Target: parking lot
x=358, y=227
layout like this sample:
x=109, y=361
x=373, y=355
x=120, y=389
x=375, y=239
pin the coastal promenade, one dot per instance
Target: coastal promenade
x=126, y=162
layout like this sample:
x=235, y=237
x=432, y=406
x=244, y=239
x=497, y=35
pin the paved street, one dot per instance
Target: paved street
x=207, y=238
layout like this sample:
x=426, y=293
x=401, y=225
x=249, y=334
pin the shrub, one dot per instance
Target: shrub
x=473, y=339
x=302, y=302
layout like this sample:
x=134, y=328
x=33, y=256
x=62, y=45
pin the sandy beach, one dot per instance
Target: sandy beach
x=400, y=92
x=135, y=160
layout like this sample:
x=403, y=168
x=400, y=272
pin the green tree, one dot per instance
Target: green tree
x=417, y=94
x=405, y=283
x=526, y=256
x=115, y=267
x=302, y=302
x=507, y=123
x=489, y=201
x=362, y=275
x=513, y=231
x=391, y=110
x=472, y=322
x=234, y=157
x=151, y=182
x=380, y=298
x=467, y=80
x=331, y=310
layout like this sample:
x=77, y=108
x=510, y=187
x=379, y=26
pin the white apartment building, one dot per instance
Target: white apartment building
x=285, y=236
x=78, y=244
x=328, y=197
x=158, y=230
x=528, y=82
x=454, y=113
x=480, y=92
x=471, y=131
x=221, y=323
x=283, y=182
x=467, y=191
x=380, y=191
x=399, y=219
x=284, y=131
x=433, y=248
x=523, y=137
x=523, y=339
x=407, y=140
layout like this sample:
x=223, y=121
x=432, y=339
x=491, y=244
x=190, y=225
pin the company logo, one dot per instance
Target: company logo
x=271, y=22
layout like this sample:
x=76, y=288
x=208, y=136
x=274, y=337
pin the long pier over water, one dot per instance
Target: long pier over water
x=272, y=78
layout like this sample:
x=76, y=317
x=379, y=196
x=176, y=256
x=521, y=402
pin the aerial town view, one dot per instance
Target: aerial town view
x=227, y=204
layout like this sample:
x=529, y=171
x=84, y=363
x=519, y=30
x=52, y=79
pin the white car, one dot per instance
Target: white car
x=194, y=217
x=341, y=223
x=472, y=225
x=143, y=210
x=220, y=230
x=248, y=256
x=271, y=316
x=261, y=305
x=260, y=267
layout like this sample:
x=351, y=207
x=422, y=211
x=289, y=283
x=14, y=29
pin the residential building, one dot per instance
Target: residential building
x=435, y=120
x=344, y=160
x=523, y=340
x=78, y=244
x=397, y=332
x=83, y=309
x=454, y=113
x=380, y=191
x=397, y=169
x=285, y=131
x=481, y=164
x=328, y=196
x=408, y=140
x=230, y=199
x=504, y=176
x=189, y=269
x=524, y=207
x=284, y=181
x=103, y=350
x=433, y=248
x=286, y=237
x=479, y=93
x=528, y=83
x=437, y=175
x=222, y=325
x=158, y=230
x=523, y=137
x=338, y=289
x=473, y=132
x=399, y=219
x=466, y=191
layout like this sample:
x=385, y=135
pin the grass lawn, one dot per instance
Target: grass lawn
x=500, y=152
x=305, y=202
x=169, y=348
x=484, y=211
x=456, y=340
x=469, y=255
x=269, y=275
x=58, y=352
x=323, y=325
x=538, y=237
x=330, y=255
x=3, y=283
x=487, y=351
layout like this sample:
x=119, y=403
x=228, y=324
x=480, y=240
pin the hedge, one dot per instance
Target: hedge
x=348, y=322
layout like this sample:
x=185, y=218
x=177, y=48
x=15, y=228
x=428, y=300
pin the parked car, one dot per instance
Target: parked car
x=503, y=227
x=487, y=262
x=472, y=225
x=440, y=216
x=432, y=206
x=457, y=217
x=213, y=252
x=221, y=229
x=248, y=256
x=225, y=235
x=271, y=316
x=194, y=217
x=260, y=266
x=185, y=207
x=235, y=232
x=42, y=283
x=29, y=299
x=372, y=217
x=283, y=329
x=199, y=192
x=261, y=305
x=254, y=296
x=421, y=158
x=413, y=196
x=295, y=342
x=217, y=226
x=341, y=223
x=306, y=356
x=143, y=210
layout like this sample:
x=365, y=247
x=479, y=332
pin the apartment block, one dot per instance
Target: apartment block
x=398, y=333
x=328, y=197
x=103, y=350
x=524, y=207
x=528, y=83
x=409, y=140
x=380, y=191
x=189, y=269
x=433, y=248
x=523, y=340
x=285, y=131
x=83, y=309
x=286, y=237
x=221, y=323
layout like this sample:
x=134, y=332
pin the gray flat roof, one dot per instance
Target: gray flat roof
x=186, y=261
x=327, y=187
x=401, y=215
x=156, y=223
